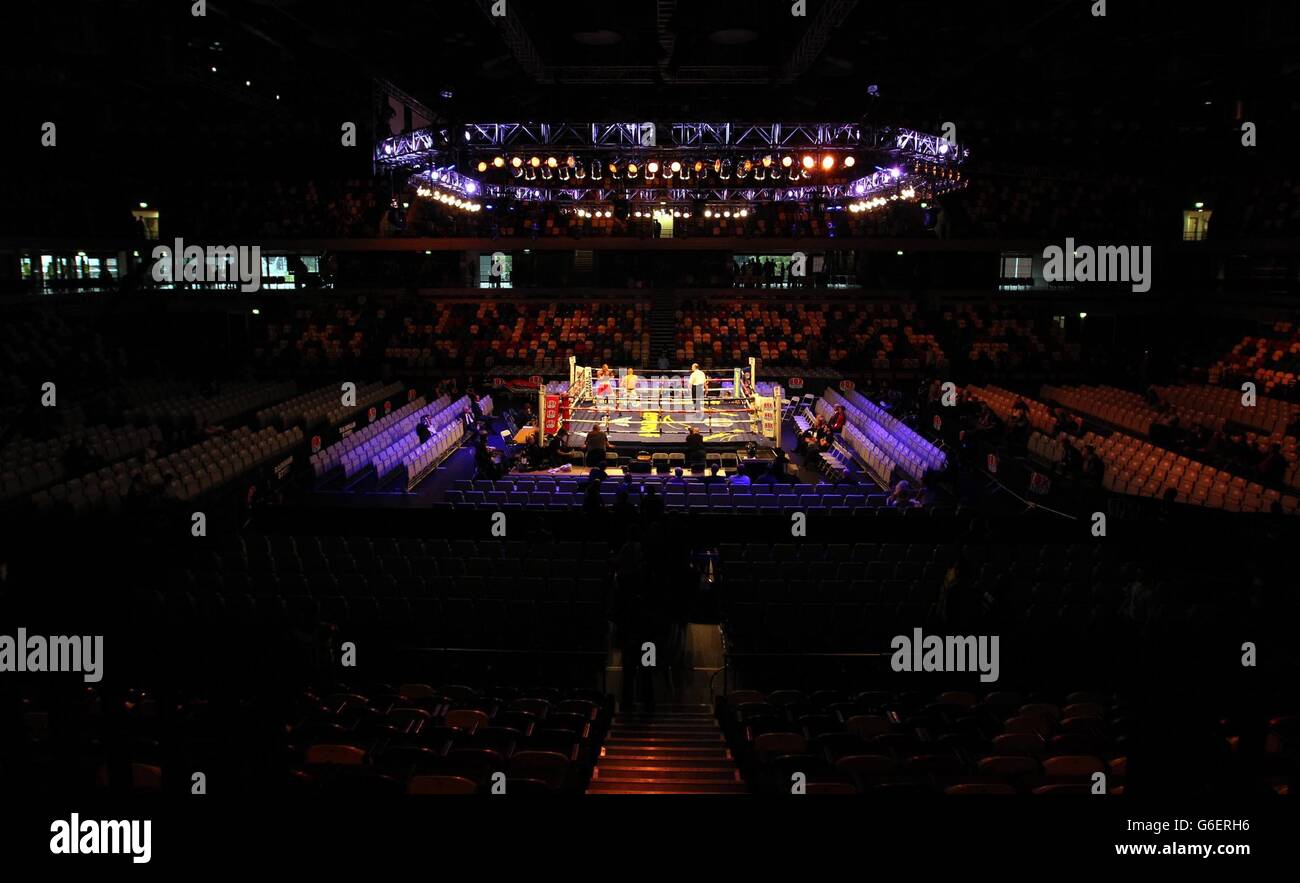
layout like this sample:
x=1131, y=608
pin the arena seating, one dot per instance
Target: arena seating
x=561, y=492
x=183, y=475
x=449, y=739
x=1142, y=469
x=194, y=410
x=912, y=453
x=1120, y=408
x=954, y=742
x=1001, y=402
x=1217, y=406
x=488, y=594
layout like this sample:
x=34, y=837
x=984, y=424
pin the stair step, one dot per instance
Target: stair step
x=644, y=771
x=666, y=741
x=665, y=786
x=635, y=751
x=702, y=761
x=665, y=730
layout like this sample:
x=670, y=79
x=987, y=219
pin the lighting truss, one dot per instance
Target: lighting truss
x=423, y=146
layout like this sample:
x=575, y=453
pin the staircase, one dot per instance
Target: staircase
x=678, y=751
x=663, y=329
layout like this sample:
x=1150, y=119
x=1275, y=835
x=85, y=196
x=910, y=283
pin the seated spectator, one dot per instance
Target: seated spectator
x=780, y=466
x=903, y=496
x=557, y=447
x=424, y=429
x=838, y=419
x=591, y=502
x=738, y=479
x=652, y=505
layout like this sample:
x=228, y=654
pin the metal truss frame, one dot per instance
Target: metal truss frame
x=423, y=146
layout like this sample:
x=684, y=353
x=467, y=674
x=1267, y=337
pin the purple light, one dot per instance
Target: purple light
x=860, y=188
x=895, y=172
x=471, y=187
x=943, y=146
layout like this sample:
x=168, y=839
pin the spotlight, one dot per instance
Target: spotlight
x=708, y=213
x=571, y=162
x=828, y=162
x=637, y=213
x=608, y=213
x=787, y=161
x=516, y=161
x=652, y=168
x=767, y=162
x=849, y=162
x=727, y=213
x=676, y=167
x=631, y=169
x=699, y=166
x=498, y=162
x=482, y=166
x=551, y=162
x=535, y=161
x=613, y=168
x=808, y=161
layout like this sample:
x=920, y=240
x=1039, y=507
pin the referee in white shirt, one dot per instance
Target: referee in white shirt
x=698, y=385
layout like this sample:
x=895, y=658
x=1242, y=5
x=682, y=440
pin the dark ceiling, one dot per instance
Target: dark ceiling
x=133, y=82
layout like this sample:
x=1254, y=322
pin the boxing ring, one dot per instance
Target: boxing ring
x=660, y=407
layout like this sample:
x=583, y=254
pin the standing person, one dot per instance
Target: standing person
x=630, y=397
x=605, y=380
x=699, y=383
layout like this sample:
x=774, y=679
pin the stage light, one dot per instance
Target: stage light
x=899, y=252
x=631, y=169
x=146, y=205
x=676, y=166
x=727, y=213
x=943, y=147
x=571, y=162
x=608, y=213
x=787, y=161
x=1083, y=315
x=767, y=162
x=849, y=162
x=256, y=311
x=516, y=161
x=613, y=168
x=498, y=161
x=708, y=213
x=551, y=162
x=652, y=168
x=895, y=172
x=808, y=161
x=699, y=166
x=1198, y=206
x=637, y=213
x=828, y=162
x=482, y=166
x=535, y=161
x=676, y=213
